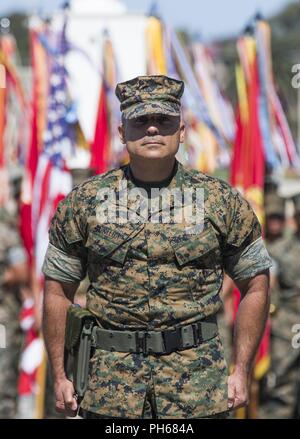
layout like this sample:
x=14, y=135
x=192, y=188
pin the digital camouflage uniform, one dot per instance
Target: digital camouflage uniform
x=148, y=276
x=151, y=276
x=11, y=253
x=281, y=397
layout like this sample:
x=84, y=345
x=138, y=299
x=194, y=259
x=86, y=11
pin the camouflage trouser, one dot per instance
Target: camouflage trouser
x=149, y=410
x=9, y=357
x=281, y=395
x=184, y=384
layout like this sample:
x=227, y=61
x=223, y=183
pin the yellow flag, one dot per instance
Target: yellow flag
x=242, y=93
x=156, y=54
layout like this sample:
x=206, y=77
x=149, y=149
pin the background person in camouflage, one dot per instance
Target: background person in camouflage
x=281, y=398
x=275, y=217
x=13, y=273
x=154, y=276
x=274, y=234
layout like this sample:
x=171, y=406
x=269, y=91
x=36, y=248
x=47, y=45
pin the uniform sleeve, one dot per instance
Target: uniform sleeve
x=245, y=254
x=65, y=258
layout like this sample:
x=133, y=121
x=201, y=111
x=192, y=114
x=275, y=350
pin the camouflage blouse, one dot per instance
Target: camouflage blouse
x=151, y=275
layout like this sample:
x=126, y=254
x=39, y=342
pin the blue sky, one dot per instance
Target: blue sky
x=210, y=18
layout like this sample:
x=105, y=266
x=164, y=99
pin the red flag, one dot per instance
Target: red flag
x=27, y=374
x=101, y=143
x=248, y=162
x=38, y=103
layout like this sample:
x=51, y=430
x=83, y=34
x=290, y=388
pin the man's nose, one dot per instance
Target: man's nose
x=152, y=130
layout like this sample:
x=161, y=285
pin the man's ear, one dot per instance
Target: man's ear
x=182, y=132
x=121, y=130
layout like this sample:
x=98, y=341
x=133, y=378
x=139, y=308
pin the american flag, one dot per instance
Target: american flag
x=53, y=180
x=51, y=184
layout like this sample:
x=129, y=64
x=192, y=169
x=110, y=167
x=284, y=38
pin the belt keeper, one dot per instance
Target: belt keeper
x=141, y=343
x=196, y=333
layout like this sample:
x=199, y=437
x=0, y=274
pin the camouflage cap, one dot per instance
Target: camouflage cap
x=274, y=205
x=296, y=201
x=156, y=94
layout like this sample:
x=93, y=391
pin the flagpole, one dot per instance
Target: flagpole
x=41, y=388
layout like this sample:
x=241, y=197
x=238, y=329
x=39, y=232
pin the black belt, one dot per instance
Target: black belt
x=85, y=414
x=156, y=342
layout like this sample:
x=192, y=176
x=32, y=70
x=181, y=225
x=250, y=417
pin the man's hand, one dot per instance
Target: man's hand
x=249, y=327
x=64, y=394
x=57, y=298
x=238, y=394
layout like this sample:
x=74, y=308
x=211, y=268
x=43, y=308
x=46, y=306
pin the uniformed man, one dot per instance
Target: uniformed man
x=282, y=396
x=13, y=274
x=275, y=217
x=155, y=281
x=274, y=237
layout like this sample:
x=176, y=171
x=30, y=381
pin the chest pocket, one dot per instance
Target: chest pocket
x=108, y=244
x=201, y=250
x=100, y=248
x=199, y=258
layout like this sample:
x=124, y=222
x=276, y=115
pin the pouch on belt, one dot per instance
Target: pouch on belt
x=78, y=340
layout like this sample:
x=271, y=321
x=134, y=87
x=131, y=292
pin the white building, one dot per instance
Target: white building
x=88, y=22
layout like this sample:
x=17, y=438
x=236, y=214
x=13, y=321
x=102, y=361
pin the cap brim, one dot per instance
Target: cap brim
x=274, y=212
x=143, y=108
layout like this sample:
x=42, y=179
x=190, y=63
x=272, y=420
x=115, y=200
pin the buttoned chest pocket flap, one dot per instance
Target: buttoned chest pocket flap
x=101, y=248
x=201, y=250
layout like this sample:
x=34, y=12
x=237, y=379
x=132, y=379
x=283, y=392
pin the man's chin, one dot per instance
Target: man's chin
x=153, y=155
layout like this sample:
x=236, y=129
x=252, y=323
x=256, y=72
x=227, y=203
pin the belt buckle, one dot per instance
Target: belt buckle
x=172, y=340
x=197, y=333
x=141, y=342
